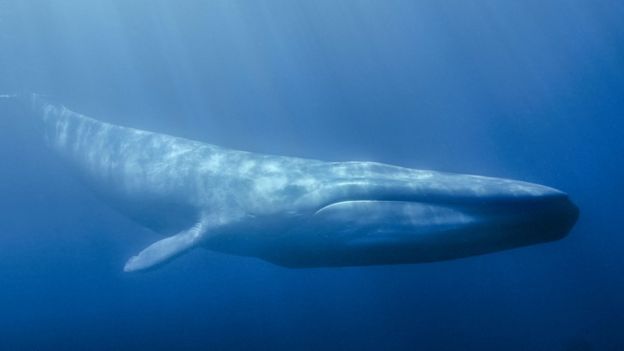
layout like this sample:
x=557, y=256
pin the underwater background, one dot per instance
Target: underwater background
x=530, y=90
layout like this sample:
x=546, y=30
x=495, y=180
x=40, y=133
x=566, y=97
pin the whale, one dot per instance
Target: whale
x=294, y=212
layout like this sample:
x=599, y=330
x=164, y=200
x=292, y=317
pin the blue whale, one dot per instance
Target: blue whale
x=296, y=212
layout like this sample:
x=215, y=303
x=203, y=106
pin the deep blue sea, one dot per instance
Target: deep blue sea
x=530, y=90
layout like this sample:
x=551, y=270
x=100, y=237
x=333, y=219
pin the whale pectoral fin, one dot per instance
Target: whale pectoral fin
x=164, y=250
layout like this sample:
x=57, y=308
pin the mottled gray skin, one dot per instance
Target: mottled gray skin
x=297, y=212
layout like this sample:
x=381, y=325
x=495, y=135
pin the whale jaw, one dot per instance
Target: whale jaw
x=374, y=232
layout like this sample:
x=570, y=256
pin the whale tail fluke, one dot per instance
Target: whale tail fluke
x=18, y=97
x=30, y=101
x=10, y=99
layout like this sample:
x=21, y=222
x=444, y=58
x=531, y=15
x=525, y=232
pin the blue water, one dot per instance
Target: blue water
x=530, y=90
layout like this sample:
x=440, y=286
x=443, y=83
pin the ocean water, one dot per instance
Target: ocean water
x=530, y=90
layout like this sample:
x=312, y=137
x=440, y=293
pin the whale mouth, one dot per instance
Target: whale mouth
x=525, y=220
x=370, y=232
x=395, y=218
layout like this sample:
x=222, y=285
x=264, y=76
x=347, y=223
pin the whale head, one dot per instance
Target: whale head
x=369, y=213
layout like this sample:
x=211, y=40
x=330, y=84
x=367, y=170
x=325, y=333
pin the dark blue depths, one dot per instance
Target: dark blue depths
x=530, y=90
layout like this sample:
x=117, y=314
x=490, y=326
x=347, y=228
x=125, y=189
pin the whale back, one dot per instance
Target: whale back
x=141, y=174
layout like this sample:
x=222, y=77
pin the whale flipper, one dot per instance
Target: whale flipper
x=166, y=249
